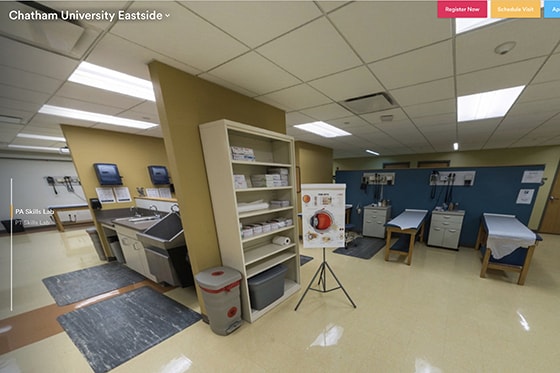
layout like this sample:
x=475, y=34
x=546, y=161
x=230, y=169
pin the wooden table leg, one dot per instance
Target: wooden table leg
x=388, y=244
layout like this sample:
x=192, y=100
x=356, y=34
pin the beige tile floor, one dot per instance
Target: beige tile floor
x=434, y=316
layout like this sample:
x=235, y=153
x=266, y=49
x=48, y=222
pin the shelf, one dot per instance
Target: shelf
x=265, y=189
x=248, y=214
x=269, y=263
x=255, y=254
x=290, y=288
x=267, y=164
x=262, y=252
x=252, y=238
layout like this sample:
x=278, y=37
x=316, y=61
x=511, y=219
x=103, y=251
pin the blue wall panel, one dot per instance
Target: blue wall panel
x=495, y=190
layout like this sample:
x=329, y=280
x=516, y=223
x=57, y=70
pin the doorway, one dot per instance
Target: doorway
x=550, y=222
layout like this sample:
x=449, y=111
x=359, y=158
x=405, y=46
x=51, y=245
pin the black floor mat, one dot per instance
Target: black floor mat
x=85, y=283
x=115, y=330
x=362, y=247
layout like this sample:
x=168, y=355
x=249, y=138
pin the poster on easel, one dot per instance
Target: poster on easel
x=323, y=215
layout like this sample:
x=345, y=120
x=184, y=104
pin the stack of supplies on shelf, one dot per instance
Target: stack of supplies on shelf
x=252, y=206
x=239, y=153
x=266, y=180
x=279, y=203
x=283, y=172
x=240, y=181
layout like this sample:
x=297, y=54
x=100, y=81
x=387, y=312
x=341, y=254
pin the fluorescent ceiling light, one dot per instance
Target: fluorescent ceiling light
x=322, y=129
x=111, y=80
x=94, y=117
x=467, y=24
x=455, y=146
x=37, y=148
x=372, y=152
x=41, y=137
x=493, y=104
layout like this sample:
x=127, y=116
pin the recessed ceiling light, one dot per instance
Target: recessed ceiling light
x=41, y=137
x=505, y=48
x=322, y=129
x=493, y=104
x=111, y=80
x=34, y=148
x=372, y=152
x=94, y=117
x=455, y=146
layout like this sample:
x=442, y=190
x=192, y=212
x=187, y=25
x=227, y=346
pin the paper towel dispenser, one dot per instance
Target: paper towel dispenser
x=107, y=174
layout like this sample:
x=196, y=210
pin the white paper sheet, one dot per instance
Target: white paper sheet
x=409, y=219
x=123, y=194
x=506, y=234
x=105, y=195
x=525, y=196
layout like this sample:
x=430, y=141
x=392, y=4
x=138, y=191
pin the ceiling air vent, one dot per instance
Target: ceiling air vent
x=369, y=103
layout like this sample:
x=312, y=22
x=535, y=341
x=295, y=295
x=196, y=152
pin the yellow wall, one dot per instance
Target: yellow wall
x=315, y=167
x=185, y=101
x=131, y=153
x=547, y=155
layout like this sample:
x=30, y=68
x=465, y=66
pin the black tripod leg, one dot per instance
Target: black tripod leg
x=320, y=269
x=340, y=285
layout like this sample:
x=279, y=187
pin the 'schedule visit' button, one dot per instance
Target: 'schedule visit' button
x=515, y=8
x=552, y=9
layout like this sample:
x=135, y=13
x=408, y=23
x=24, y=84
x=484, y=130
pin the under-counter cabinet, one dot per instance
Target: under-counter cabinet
x=445, y=229
x=133, y=251
x=252, y=206
x=375, y=218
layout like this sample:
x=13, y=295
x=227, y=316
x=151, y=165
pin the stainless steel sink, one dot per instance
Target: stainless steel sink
x=166, y=234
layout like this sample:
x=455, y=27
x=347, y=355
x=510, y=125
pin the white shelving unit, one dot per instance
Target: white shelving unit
x=254, y=254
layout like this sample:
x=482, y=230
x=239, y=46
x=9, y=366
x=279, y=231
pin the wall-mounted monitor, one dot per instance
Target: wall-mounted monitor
x=107, y=174
x=159, y=175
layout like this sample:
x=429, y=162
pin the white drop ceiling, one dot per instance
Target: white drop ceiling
x=303, y=57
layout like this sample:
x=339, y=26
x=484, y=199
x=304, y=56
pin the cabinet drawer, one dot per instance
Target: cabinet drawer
x=440, y=218
x=446, y=224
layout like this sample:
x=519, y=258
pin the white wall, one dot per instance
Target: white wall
x=32, y=196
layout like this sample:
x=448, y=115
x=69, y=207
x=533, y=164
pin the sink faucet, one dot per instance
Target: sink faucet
x=155, y=210
x=134, y=210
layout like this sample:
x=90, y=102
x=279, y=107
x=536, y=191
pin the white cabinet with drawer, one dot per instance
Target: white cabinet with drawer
x=375, y=218
x=445, y=229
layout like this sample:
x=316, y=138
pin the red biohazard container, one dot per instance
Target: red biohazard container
x=221, y=295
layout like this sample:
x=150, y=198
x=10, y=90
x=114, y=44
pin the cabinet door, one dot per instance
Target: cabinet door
x=130, y=252
x=451, y=238
x=435, y=237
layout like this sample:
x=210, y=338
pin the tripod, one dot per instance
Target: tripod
x=322, y=273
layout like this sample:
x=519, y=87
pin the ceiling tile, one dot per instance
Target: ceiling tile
x=23, y=79
x=227, y=84
x=550, y=69
x=418, y=66
x=375, y=118
x=348, y=84
x=34, y=60
x=431, y=109
x=297, y=117
x=24, y=95
x=534, y=38
x=255, y=22
x=506, y=76
x=119, y=54
x=379, y=29
x=83, y=105
x=435, y=120
x=312, y=51
x=327, y=112
x=97, y=96
x=426, y=92
x=329, y=6
x=183, y=36
x=541, y=91
x=295, y=98
x=255, y=73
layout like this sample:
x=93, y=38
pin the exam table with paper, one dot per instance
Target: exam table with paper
x=506, y=244
x=409, y=224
